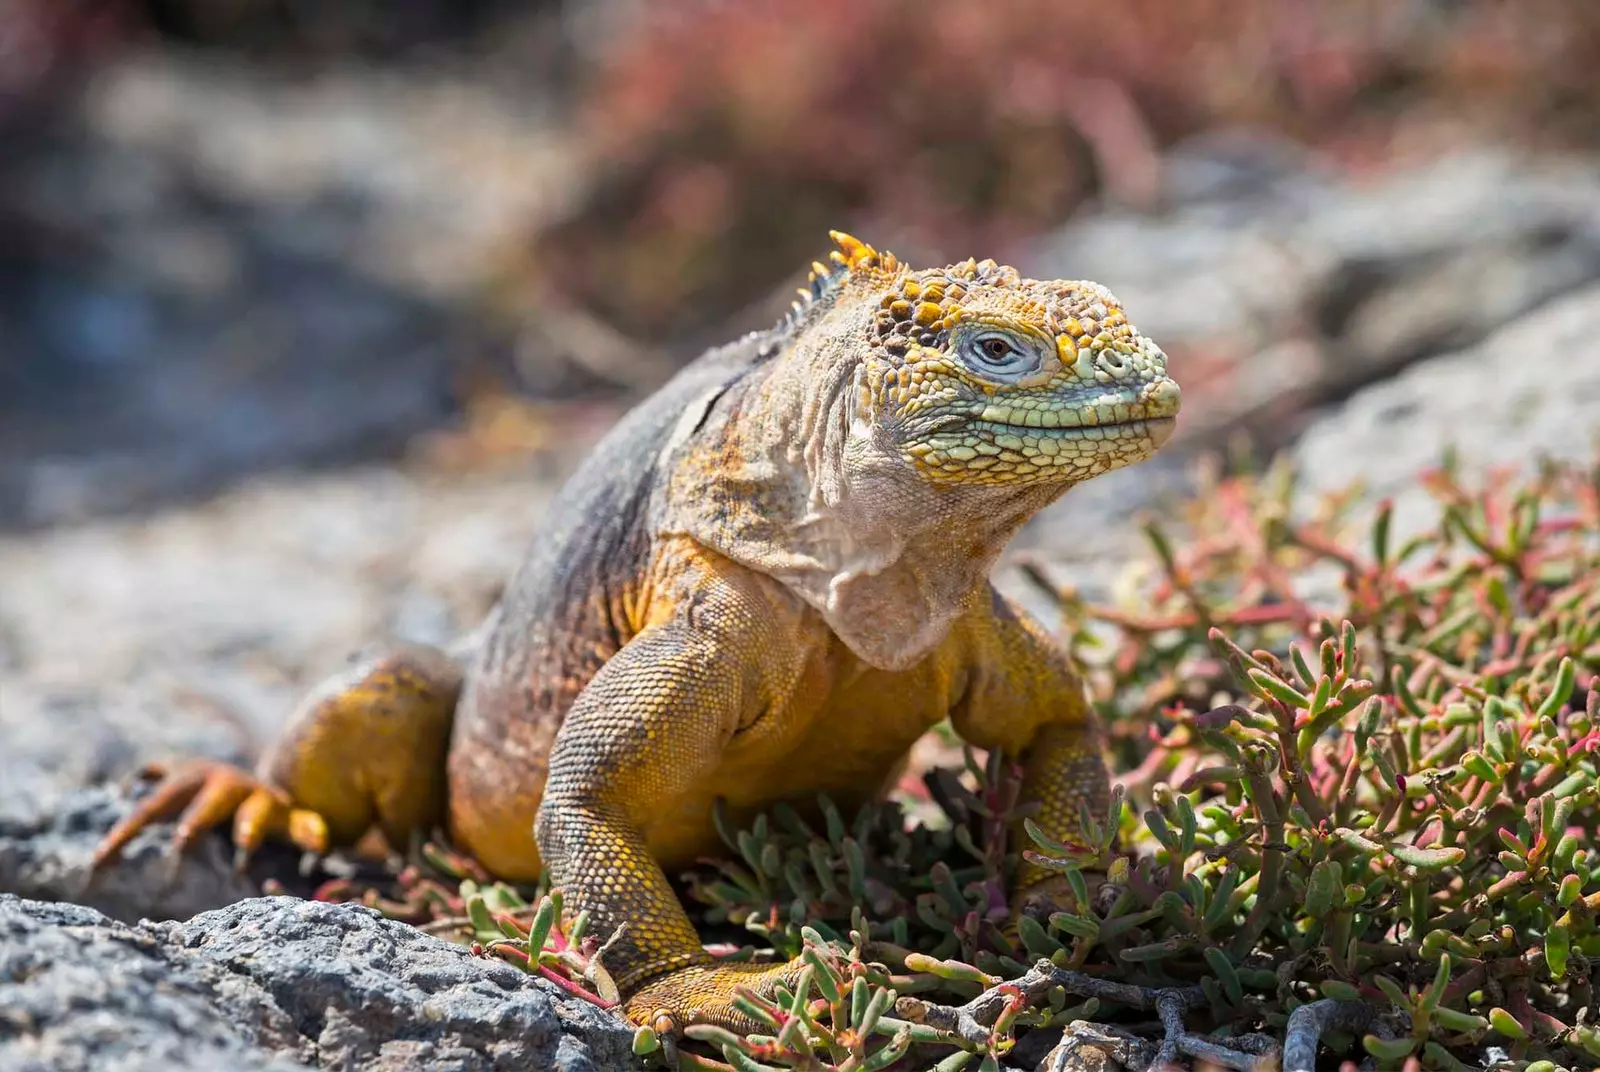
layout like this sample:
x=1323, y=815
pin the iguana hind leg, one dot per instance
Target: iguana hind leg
x=365, y=748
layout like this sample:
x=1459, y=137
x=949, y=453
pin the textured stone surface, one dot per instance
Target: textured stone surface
x=276, y=984
x=78, y=991
x=195, y=632
x=1528, y=391
x=1274, y=285
x=45, y=855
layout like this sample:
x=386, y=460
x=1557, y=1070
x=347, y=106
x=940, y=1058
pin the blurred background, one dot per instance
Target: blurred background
x=307, y=307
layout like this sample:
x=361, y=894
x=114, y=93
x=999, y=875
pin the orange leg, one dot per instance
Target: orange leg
x=366, y=748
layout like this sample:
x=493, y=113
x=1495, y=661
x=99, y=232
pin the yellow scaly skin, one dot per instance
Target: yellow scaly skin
x=765, y=583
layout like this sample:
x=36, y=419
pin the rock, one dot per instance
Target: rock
x=1530, y=390
x=215, y=268
x=78, y=991
x=196, y=631
x=45, y=855
x=1274, y=285
x=277, y=984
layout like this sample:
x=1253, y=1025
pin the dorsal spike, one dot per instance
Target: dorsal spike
x=853, y=255
x=857, y=254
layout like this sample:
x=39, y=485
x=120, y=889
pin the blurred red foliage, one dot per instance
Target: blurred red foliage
x=40, y=39
x=734, y=132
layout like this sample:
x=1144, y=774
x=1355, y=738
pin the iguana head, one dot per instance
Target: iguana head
x=978, y=376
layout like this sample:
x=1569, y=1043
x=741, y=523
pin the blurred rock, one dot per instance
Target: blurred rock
x=1529, y=391
x=277, y=984
x=356, y=28
x=1276, y=287
x=46, y=850
x=209, y=269
x=195, y=631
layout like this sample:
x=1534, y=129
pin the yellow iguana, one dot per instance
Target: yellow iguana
x=766, y=582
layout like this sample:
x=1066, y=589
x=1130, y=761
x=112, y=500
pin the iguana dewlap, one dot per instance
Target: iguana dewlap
x=767, y=581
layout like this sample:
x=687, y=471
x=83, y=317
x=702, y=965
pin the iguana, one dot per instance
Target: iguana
x=765, y=582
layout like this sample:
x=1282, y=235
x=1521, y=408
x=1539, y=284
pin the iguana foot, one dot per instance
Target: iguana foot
x=704, y=995
x=365, y=748
x=204, y=794
x=1042, y=899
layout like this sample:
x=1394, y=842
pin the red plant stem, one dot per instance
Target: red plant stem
x=1292, y=613
x=1146, y=770
x=1319, y=544
x=574, y=989
x=1348, y=784
x=1293, y=774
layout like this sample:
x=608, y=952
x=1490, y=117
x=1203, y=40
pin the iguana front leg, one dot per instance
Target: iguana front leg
x=650, y=727
x=1024, y=697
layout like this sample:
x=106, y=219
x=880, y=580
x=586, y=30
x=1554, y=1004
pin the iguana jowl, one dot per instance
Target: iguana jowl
x=766, y=582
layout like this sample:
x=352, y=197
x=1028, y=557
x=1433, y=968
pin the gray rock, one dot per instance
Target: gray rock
x=78, y=991
x=195, y=632
x=1278, y=285
x=215, y=270
x=276, y=984
x=1529, y=391
x=45, y=855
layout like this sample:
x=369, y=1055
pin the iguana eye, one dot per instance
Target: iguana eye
x=998, y=355
x=995, y=350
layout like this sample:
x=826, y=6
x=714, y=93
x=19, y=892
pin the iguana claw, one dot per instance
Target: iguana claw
x=204, y=794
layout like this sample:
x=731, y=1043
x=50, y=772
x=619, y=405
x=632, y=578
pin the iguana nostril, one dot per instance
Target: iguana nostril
x=1112, y=363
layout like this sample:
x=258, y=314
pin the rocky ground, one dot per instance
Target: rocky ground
x=276, y=984
x=193, y=631
x=1361, y=325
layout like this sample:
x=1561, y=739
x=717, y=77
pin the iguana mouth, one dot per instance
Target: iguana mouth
x=946, y=422
x=1027, y=438
x=1153, y=426
x=1125, y=410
